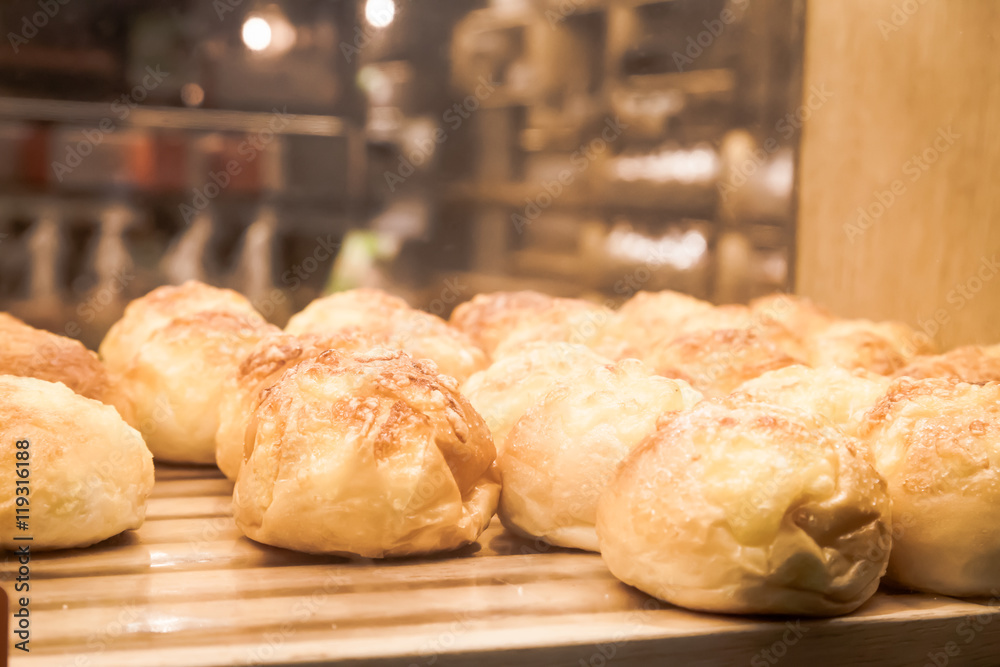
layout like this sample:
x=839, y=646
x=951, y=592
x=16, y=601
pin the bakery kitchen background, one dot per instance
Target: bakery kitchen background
x=580, y=148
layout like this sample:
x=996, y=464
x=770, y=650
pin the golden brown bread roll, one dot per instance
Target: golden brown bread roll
x=908, y=340
x=842, y=396
x=374, y=455
x=728, y=316
x=734, y=316
x=89, y=474
x=31, y=352
x=937, y=442
x=879, y=347
x=715, y=362
x=504, y=391
x=395, y=325
x=797, y=314
x=971, y=363
x=172, y=388
x=562, y=452
x=426, y=336
x=145, y=315
x=487, y=319
x=568, y=321
x=265, y=363
x=749, y=508
x=650, y=317
x=367, y=309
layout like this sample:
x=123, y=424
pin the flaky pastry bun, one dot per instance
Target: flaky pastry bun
x=715, y=362
x=87, y=473
x=937, y=443
x=560, y=455
x=970, y=363
x=842, y=396
x=372, y=455
x=648, y=318
x=366, y=309
x=172, y=389
x=879, y=347
x=748, y=508
x=796, y=313
x=30, y=352
x=149, y=313
x=394, y=325
x=487, y=319
x=270, y=357
x=512, y=384
x=569, y=321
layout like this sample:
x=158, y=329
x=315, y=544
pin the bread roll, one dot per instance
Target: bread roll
x=879, y=347
x=244, y=388
x=728, y=316
x=908, y=340
x=715, y=362
x=149, y=313
x=840, y=395
x=650, y=317
x=937, y=442
x=797, y=314
x=172, y=389
x=394, y=325
x=426, y=336
x=748, y=508
x=31, y=352
x=569, y=321
x=561, y=453
x=967, y=364
x=373, y=455
x=369, y=310
x=505, y=390
x=487, y=319
x=763, y=324
x=89, y=474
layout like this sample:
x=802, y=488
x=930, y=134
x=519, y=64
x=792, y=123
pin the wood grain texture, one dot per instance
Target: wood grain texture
x=898, y=82
x=187, y=590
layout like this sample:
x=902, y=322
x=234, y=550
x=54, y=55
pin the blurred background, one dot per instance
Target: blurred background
x=435, y=149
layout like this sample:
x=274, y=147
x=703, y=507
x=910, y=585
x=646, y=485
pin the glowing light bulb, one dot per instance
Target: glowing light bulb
x=256, y=33
x=380, y=12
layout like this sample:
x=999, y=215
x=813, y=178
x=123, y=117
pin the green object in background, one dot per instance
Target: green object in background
x=357, y=263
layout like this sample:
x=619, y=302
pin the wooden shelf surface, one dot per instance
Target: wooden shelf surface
x=188, y=590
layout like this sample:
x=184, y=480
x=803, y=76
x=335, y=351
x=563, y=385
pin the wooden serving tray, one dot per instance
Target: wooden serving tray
x=187, y=589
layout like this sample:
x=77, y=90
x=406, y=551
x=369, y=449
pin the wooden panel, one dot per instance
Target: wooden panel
x=905, y=95
x=189, y=590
